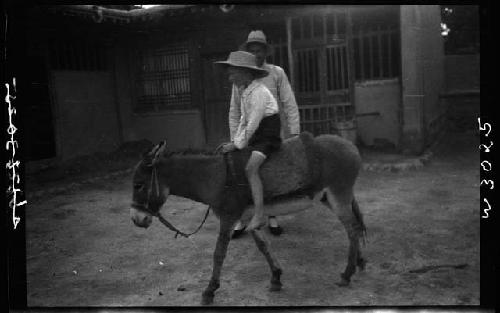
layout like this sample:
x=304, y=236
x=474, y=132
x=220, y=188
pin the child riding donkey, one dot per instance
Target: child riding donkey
x=259, y=126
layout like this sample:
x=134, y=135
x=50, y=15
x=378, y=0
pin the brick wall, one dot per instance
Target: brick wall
x=86, y=115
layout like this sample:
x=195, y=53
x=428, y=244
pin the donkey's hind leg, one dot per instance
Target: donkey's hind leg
x=361, y=229
x=263, y=246
x=343, y=202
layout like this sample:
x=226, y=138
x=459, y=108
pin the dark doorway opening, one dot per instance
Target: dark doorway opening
x=217, y=96
x=38, y=116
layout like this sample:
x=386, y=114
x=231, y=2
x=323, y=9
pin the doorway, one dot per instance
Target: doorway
x=38, y=116
x=216, y=96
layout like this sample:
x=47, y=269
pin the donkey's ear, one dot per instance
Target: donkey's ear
x=163, y=148
x=159, y=152
x=150, y=153
x=146, y=152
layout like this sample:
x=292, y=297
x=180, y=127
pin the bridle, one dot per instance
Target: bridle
x=154, y=191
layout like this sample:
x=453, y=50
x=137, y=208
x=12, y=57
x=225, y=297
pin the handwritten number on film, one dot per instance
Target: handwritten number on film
x=486, y=165
x=12, y=165
x=486, y=148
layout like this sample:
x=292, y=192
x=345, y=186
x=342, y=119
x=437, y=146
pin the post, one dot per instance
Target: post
x=380, y=51
x=350, y=59
x=115, y=89
x=289, y=50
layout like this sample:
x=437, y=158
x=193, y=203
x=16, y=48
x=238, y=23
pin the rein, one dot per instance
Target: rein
x=154, y=184
x=177, y=231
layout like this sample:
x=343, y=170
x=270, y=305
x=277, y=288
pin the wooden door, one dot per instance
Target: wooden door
x=216, y=98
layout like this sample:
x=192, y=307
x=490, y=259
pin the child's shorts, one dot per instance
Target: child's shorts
x=266, y=138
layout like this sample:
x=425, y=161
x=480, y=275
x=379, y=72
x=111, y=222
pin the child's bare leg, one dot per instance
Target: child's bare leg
x=252, y=171
x=238, y=225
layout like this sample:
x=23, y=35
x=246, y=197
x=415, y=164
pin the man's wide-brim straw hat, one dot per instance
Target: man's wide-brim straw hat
x=245, y=60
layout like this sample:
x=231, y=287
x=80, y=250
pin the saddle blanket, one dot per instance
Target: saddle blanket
x=292, y=168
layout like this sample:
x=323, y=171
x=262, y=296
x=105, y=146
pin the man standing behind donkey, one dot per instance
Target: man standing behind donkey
x=277, y=82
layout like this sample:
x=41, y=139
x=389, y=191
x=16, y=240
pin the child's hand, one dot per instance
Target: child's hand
x=228, y=147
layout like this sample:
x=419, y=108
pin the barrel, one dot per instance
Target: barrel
x=347, y=129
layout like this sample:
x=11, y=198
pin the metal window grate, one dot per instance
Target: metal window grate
x=279, y=55
x=376, y=53
x=163, y=81
x=336, y=62
x=307, y=66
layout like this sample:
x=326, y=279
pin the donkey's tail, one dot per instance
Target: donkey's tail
x=359, y=218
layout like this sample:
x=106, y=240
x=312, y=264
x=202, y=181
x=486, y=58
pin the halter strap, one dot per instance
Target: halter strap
x=155, y=187
x=177, y=231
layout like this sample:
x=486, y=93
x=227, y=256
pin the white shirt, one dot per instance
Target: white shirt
x=256, y=102
x=278, y=84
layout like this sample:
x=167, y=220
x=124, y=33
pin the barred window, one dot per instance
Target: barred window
x=376, y=53
x=376, y=44
x=307, y=61
x=336, y=68
x=163, y=80
x=279, y=55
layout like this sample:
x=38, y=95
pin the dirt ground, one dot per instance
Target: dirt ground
x=83, y=250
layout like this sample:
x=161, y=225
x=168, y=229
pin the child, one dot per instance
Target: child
x=259, y=127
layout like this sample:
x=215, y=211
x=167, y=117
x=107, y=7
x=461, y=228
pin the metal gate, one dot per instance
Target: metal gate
x=322, y=75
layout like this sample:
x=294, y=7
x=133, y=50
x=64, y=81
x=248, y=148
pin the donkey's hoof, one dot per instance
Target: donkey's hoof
x=275, y=286
x=361, y=264
x=207, y=299
x=344, y=282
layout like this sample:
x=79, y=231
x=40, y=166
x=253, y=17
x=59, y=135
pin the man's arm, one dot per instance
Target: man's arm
x=289, y=103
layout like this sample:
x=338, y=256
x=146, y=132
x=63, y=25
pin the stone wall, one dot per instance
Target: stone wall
x=377, y=108
x=86, y=117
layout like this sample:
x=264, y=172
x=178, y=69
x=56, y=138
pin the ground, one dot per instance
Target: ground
x=83, y=250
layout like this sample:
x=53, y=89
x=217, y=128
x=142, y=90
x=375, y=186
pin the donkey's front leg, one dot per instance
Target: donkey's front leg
x=263, y=245
x=219, y=255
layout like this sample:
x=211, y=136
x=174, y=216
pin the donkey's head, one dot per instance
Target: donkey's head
x=148, y=194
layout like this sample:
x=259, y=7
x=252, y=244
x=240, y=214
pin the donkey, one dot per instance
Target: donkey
x=324, y=167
